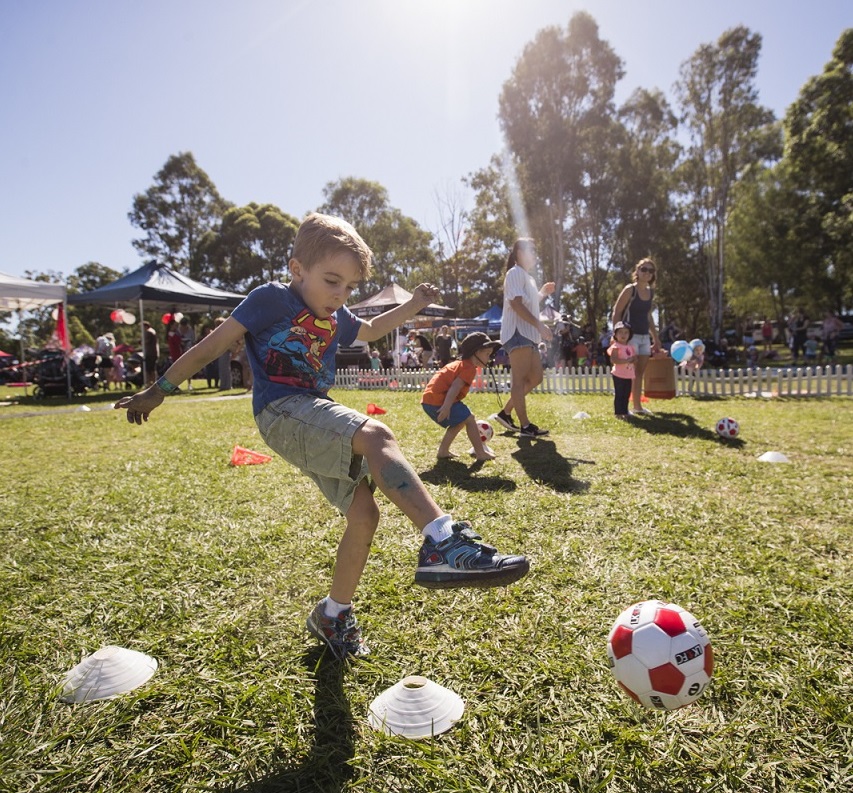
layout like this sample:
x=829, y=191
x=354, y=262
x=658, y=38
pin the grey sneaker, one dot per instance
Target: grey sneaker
x=505, y=421
x=462, y=561
x=341, y=633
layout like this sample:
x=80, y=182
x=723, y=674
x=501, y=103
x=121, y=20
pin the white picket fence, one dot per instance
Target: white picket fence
x=812, y=381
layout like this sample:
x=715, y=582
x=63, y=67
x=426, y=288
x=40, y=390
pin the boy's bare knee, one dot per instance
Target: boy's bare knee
x=372, y=435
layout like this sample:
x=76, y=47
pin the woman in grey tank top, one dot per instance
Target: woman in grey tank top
x=634, y=307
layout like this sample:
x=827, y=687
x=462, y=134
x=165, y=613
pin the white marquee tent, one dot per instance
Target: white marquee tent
x=21, y=294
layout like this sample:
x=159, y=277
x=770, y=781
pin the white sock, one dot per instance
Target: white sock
x=438, y=529
x=332, y=608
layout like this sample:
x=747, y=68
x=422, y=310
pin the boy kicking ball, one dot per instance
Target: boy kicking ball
x=292, y=332
x=443, y=395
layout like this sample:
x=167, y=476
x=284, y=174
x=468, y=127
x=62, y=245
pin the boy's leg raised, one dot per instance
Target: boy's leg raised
x=457, y=561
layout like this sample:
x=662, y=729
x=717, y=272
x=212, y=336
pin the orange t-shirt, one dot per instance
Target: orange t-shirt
x=436, y=389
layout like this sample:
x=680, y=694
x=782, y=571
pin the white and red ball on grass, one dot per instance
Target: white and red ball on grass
x=727, y=428
x=486, y=431
x=660, y=655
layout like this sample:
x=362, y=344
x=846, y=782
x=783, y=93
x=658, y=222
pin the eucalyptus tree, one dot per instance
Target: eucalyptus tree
x=175, y=213
x=250, y=247
x=402, y=250
x=819, y=161
x=554, y=111
x=728, y=132
x=490, y=233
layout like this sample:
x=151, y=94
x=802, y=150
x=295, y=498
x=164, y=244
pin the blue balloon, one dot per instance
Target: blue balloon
x=697, y=343
x=681, y=351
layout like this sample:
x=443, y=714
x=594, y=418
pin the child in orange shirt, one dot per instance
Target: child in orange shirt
x=443, y=395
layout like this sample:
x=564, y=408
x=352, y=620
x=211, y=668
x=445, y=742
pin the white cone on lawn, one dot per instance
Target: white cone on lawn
x=773, y=457
x=415, y=708
x=107, y=673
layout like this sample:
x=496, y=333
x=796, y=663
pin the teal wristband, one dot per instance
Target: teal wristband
x=165, y=386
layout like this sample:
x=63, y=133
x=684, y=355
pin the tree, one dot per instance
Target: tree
x=401, y=248
x=249, y=248
x=650, y=222
x=819, y=159
x=728, y=132
x=552, y=110
x=488, y=238
x=175, y=213
x=766, y=229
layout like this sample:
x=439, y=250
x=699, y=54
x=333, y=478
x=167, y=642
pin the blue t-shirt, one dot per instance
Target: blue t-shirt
x=289, y=349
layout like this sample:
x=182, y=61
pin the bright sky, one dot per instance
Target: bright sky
x=276, y=98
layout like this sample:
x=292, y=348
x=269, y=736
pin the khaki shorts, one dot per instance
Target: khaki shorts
x=315, y=435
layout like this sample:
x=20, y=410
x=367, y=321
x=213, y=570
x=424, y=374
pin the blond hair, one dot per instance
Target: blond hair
x=320, y=236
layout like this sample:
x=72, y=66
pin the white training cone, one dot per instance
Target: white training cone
x=84, y=409
x=773, y=457
x=415, y=708
x=107, y=673
x=582, y=415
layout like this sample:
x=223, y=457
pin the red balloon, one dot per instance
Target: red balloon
x=117, y=315
x=167, y=318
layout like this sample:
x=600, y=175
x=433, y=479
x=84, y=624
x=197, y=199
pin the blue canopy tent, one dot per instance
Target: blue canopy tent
x=493, y=317
x=162, y=287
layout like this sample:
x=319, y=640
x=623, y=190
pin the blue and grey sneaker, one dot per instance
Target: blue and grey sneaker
x=341, y=633
x=462, y=561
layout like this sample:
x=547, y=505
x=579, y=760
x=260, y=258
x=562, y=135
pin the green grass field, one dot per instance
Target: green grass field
x=148, y=539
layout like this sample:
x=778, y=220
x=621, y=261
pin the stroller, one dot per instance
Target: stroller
x=51, y=379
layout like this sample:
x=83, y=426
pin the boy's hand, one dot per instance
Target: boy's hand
x=140, y=405
x=443, y=414
x=425, y=294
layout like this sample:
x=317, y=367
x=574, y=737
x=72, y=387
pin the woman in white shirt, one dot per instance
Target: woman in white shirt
x=521, y=332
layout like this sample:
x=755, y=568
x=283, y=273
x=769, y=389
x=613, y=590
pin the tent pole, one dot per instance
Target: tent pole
x=23, y=361
x=67, y=349
x=142, y=328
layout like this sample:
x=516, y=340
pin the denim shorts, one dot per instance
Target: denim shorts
x=642, y=343
x=315, y=435
x=517, y=341
x=459, y=412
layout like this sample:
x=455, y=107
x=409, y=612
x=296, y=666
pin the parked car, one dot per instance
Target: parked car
x=357, y=355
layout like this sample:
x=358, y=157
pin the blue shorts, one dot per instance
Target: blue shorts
x=458, y=413
x=517, y=341
x=642, y=343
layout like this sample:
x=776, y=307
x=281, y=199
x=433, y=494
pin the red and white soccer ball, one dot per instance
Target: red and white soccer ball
x=486, y=430
x=727, y=428
x=660, y=655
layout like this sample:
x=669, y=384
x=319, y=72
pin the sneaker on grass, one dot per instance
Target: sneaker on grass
x=505, y=421
x=532, y=431
x=341, y=633
x=462, y=561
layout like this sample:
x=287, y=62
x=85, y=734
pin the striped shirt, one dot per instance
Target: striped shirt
x=519, y=283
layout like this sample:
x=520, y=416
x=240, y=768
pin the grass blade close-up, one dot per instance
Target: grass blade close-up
x=146, y=538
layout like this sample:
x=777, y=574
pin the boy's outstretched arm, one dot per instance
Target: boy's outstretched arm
x=140, y=405
x=376, y=328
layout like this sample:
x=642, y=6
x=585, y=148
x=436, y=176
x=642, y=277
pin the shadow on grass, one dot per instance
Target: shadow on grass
x=681, y=425
x=461, y=475
x=326, y=767
x=544, y=464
